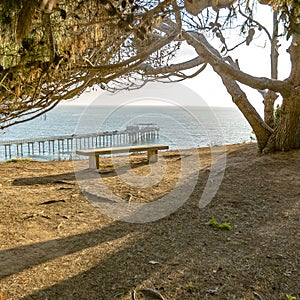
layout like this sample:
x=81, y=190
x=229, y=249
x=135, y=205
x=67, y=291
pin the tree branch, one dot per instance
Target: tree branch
x=212, y=56
x=260, y=128
x=140, y=57
x=48, y=29
x=149, y=70
x=40, y=111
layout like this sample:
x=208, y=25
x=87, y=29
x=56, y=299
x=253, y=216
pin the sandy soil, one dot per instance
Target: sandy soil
x=54, y=243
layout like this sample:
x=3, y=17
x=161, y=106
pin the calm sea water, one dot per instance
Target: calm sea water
x=179, y=127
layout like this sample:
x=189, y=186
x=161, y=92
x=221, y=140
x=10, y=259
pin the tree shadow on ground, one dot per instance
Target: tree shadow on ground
x=57, y=178
x=70, y=176
x=194, y=261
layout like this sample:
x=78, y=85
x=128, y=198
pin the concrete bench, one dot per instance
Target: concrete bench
x=94, y=154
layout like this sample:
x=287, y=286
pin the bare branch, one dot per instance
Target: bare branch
x=258, y=24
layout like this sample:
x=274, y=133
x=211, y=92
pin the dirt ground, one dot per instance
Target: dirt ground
x=244, y=244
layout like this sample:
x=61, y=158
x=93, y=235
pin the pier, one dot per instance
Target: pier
x=68, y=144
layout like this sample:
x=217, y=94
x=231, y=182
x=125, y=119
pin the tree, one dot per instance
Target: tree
x=210, y=20
x=54, y=50
x=217, y=18
x=124, y=44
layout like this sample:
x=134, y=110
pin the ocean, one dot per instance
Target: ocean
x=180, y=127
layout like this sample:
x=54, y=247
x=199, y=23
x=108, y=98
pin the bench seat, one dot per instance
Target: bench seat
x=94, y=154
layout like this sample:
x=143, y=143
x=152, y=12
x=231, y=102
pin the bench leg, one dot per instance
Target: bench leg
x=94, y=161
x=152, y=155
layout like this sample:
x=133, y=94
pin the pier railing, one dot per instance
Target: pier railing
x=68, y=144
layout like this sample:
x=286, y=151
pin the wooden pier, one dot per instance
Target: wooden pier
x=68, y=144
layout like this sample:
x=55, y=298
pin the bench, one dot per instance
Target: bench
x=94, y=154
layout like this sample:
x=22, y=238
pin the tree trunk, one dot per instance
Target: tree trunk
x=270, y=97
x=269, y=100
x=260, y=128
x=286, y=135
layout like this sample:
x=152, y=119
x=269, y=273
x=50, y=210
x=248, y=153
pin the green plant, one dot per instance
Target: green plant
x=191, y=287
x=225, y=226
x=179, y=227
x=252, y=136
x=215, y=224
x=277, y=114
x=289, y=297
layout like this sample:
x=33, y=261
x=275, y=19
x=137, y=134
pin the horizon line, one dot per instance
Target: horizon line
x=145, y=105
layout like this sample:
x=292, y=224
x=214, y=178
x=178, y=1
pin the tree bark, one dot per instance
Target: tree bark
x=286, y=135
x=269, y=100
x=260, y=128
x=48, y=30
x=270, y=97
x=220, y=65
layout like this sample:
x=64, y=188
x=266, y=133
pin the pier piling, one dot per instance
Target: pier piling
x=68, y=144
